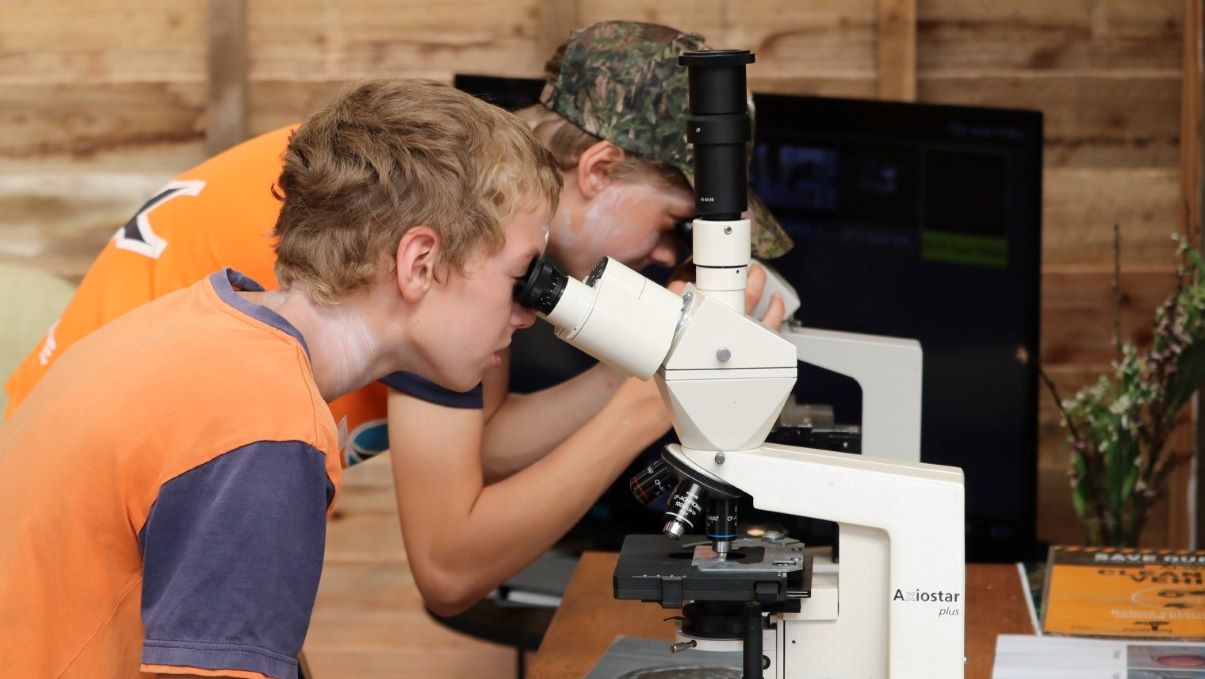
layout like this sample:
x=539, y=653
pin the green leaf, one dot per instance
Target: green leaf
x=1128, y=482
x=1078, y=501
x=1187, y=380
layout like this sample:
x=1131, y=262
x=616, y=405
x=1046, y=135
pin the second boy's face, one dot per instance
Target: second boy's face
x=479, y=314
x=630, y=220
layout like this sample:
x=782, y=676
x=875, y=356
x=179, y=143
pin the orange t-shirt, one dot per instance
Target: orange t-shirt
x=167, y=487
x=219, y=214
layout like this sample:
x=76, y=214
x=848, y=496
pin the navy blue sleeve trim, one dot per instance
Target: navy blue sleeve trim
x=232, y=551
x=418, y=387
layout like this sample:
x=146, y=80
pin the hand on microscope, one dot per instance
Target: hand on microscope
x=755, y=287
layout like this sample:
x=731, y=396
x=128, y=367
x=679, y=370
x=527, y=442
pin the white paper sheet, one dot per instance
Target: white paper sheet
x=1049, y=657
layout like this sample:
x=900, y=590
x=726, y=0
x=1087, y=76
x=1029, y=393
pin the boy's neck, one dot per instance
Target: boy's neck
x=347, y=341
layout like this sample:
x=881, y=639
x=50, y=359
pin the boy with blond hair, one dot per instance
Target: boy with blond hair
x=167, y=484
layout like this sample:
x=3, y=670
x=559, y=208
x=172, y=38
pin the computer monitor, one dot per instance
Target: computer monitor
x=923, y=221
x=909, y=220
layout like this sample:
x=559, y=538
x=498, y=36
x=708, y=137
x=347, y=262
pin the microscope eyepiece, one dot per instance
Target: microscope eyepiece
x=717, y=80
x=720, y=129
x=541, y=287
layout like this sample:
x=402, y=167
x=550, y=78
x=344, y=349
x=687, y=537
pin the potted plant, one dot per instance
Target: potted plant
x=1118, y=429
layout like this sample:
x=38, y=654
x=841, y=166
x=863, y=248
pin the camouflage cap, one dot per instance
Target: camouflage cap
x=620, y=81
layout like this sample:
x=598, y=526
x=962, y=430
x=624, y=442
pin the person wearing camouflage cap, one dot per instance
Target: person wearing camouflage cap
x=620, y=81
x=625, y=169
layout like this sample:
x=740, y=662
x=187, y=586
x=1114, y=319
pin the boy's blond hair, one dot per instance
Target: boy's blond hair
x=388, y=155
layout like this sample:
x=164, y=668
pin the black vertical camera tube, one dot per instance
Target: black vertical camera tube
x=719, y=130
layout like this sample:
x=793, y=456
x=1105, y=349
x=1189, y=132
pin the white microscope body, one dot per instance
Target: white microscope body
x=894, y=607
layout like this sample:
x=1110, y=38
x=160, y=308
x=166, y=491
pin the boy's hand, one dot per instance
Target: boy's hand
x=756, y=285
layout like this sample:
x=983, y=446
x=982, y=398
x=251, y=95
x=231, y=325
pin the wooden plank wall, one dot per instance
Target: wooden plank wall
x=102, y=101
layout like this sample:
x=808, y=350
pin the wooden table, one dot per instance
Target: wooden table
x=368, y=618
x=589, y=619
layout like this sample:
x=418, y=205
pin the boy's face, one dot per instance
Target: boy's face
x=476, y=311
x=630, y=220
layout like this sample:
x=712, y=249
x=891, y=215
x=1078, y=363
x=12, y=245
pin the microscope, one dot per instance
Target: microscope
x=891, y=604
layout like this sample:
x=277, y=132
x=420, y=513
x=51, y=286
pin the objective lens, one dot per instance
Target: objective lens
x=685, y=505
x=721, y=524
x=652, y=482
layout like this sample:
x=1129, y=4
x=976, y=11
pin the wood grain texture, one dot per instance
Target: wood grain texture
x=85, y=121
x=60, y=222
x=320, y=40
x=705, y=17
x=589, y=619
x=1191, y=92
x=1081, y=206
x=102, y=41
x=817, y=38
x=821, y=38
x=1077, y=312
x=226, y=107
x=897, y=50
x=558, y=19
x=1033, y=35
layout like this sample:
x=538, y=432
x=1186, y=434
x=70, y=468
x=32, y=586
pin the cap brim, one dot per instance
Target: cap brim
x=769, y=239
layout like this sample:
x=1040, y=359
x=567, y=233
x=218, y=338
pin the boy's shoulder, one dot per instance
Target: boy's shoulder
x=191, y=365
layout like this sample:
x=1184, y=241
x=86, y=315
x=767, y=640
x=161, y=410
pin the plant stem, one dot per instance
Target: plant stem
x=1058, y=401
x=1117, y=292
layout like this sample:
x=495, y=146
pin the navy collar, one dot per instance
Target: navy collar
x=228, y=283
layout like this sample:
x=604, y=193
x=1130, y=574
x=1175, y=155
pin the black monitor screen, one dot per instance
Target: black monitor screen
x=923, y=221
x=909, y=220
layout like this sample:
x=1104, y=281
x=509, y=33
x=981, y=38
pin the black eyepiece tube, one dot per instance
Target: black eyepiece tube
x=541, y=287
x=719, y=130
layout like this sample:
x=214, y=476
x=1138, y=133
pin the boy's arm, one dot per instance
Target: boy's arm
x=522, y=428
x=232, y=551
x=463, y=538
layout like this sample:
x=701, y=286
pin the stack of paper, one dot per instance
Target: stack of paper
x=1030, y=657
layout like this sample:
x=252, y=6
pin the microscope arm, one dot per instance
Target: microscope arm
x=896, y=520
x=889, y=372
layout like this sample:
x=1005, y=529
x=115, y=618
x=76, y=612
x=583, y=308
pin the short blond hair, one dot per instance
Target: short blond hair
x=567, y=142
x=384, y=156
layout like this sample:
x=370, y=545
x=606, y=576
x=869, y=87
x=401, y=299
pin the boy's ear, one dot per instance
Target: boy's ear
x=416, y=254
x=596, y=167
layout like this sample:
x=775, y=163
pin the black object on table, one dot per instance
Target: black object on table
x=497, y=621
x=508, y=617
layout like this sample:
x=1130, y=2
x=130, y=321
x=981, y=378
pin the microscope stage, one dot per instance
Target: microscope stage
x=654, y=568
